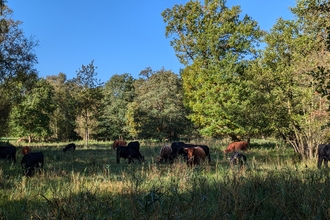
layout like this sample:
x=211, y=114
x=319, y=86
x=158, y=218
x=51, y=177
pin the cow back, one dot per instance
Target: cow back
x=69, y=147
x=236, y=146
x=134, y=144
x=165, y=151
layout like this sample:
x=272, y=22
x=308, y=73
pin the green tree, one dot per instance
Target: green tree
x=89, y=95
x=63, y=119
x=17, y=60
x=157, y=110
x=294, y=49
x=314, y=16
x=215, y=44
x=118, y=93
x=31, y=117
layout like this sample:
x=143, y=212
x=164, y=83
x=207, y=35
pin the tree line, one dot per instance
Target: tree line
x=229, y=86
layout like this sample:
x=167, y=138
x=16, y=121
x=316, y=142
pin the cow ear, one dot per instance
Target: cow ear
x=185, y=150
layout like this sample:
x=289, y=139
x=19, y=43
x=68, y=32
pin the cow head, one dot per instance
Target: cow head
x=119, y=143
x=26, y=150
x=190, y=151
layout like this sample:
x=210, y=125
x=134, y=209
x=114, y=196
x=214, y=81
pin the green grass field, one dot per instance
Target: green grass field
x=88, y=184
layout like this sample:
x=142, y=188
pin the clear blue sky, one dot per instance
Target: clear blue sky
x=120, y=36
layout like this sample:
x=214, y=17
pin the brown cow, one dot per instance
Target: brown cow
x=236, y=146
x=119, y=143
x=26, y=150
x=165, y=153
x=194, y=155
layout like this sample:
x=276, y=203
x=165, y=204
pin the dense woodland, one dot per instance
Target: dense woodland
x=238, y=81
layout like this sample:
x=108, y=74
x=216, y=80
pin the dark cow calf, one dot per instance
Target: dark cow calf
x=323, y=151
x=128, y=152
x=238, y=158
x=194, y=155
x=70, y=147
x=31, y=161
x=8, y=152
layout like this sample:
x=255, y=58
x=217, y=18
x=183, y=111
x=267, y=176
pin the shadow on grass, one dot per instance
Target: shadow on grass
x=192, y=195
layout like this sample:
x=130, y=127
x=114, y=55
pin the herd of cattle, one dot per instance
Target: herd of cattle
x=31, y=160
x=193, y=154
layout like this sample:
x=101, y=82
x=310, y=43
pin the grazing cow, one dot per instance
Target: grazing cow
x=26, y=150
x=130, y=152
x=8, y=152
x=238, y=158
x=30, y=161
x=323, y=151
x=239, y=145
x=164, y=154
x=195, y=155
x=178, y=149
x=119, y=143
x=70, y=147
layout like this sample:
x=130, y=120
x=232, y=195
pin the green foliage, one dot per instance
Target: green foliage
x=31, y=117
x=17, y=60
x=215, y=45
x=157, y=110
x=118, y=93
x=63, y=118
x=210, y=32
x=292, y=52
x=88, y=95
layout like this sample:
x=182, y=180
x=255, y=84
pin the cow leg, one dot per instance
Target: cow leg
x=319, y=162
x=130, y=159
x=326, y=162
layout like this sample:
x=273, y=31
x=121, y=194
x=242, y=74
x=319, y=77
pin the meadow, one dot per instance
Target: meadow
x=88, y=184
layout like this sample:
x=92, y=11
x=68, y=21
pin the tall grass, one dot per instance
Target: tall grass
x=88, y=184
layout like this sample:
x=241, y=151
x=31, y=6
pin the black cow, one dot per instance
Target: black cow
x=323, y=151
x=70, y=147
x=237, y=158
x=130, y=152
x=8, y=152
x=178, y=149
x=30, y=161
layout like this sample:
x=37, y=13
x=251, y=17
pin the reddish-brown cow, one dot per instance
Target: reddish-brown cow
x=237, y=146
x=195, y=155
x=119, y=143
x=26, y=150
x=164, y=154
